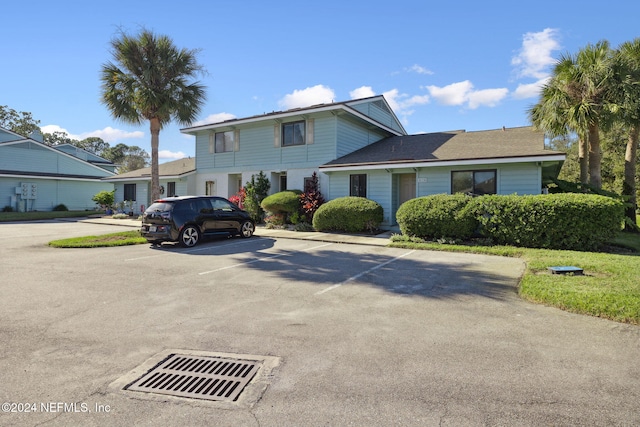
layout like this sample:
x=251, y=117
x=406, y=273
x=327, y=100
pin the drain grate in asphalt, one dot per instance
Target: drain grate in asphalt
x=198, y=377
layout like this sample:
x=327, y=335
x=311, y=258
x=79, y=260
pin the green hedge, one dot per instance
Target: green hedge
x=350, y=214
x=438, y=216
x=282, y=202
x=554, y=221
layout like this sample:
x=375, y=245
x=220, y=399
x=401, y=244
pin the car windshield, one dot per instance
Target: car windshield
x=160, y=207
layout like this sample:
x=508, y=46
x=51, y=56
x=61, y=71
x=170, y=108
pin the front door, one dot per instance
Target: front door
x=407, y=187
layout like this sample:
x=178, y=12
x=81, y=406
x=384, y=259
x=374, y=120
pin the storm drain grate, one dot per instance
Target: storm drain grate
x=198, y=377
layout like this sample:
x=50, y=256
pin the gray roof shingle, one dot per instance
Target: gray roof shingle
x=173, y=168
x=449, y=146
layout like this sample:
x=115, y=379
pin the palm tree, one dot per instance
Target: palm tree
x=551, y=113
x=576, y=99
x=150, y=80
x=628, y=78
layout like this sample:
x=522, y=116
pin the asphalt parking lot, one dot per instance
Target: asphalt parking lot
x=351, y=334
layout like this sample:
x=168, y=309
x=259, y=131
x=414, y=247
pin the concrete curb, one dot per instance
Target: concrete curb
x=261, y=231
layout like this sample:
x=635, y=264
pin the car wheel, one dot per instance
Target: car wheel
x=246, y=229
x=189, y=236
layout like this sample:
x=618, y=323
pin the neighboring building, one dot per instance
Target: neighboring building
x=360, y=148
x=37, y=177
x=177, y=178
x=87, y=156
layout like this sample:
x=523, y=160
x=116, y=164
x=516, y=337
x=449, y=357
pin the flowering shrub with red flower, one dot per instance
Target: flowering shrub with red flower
x=238, y=198
x=311, y=199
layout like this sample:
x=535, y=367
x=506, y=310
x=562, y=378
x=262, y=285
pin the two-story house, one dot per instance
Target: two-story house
x=35, y=176
x=360, y=148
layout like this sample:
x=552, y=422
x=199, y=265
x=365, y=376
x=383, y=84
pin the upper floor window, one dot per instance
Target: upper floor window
x=358, y=185
x=293, y=133
x=224, y=141
x=474, y=182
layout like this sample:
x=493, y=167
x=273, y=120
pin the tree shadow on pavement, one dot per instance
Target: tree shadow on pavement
x=459, y=274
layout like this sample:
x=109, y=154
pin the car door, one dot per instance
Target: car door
x=205, y=215
x=226, y=216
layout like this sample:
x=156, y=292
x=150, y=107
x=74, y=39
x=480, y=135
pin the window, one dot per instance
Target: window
x=171, y=189
x=283, y=182
x=130, y=192
x=225, y=141
x=293, y=134
x=473, y=182
x=358, y=185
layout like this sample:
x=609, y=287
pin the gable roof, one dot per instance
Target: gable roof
x=433, y=149
x=174, y=169
x=8, y=138
x=353, y=107
x=83, y=154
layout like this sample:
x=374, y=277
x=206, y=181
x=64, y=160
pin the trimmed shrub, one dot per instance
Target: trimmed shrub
x=104, y=198
x=283, y=202
x=350, y=214
x=554, y=221
x=60, y=208
x=438, y=216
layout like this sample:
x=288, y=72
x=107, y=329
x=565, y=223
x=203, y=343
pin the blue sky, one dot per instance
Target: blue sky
x=441, y=65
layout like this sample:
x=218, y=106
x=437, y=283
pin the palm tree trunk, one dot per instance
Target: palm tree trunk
x=154, y=125
x=583, y=160
x=629, y=184
x=595, y=176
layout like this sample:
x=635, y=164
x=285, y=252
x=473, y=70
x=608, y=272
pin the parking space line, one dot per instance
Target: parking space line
x=263, y=259
x=357, y=276
x=189, y=251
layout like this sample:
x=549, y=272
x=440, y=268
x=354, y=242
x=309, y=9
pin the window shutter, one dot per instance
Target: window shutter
x=310, y=131
x=236, y=140
x=212, y=142
x=276, y=135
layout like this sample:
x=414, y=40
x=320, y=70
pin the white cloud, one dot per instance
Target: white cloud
x=215, y=118
x=166, y=154
x=535, y=56
x=531, y=90
x=462, y=93
x=419, y=69
x=486, y=97
x=453, y=94
x=362, y=92
x=107, y=134
x=318, y=94
x=402, y=104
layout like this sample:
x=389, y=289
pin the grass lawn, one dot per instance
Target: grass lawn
x=609, y=288
x=113, y=239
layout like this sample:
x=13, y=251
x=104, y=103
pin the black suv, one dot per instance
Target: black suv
x=187, y=219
